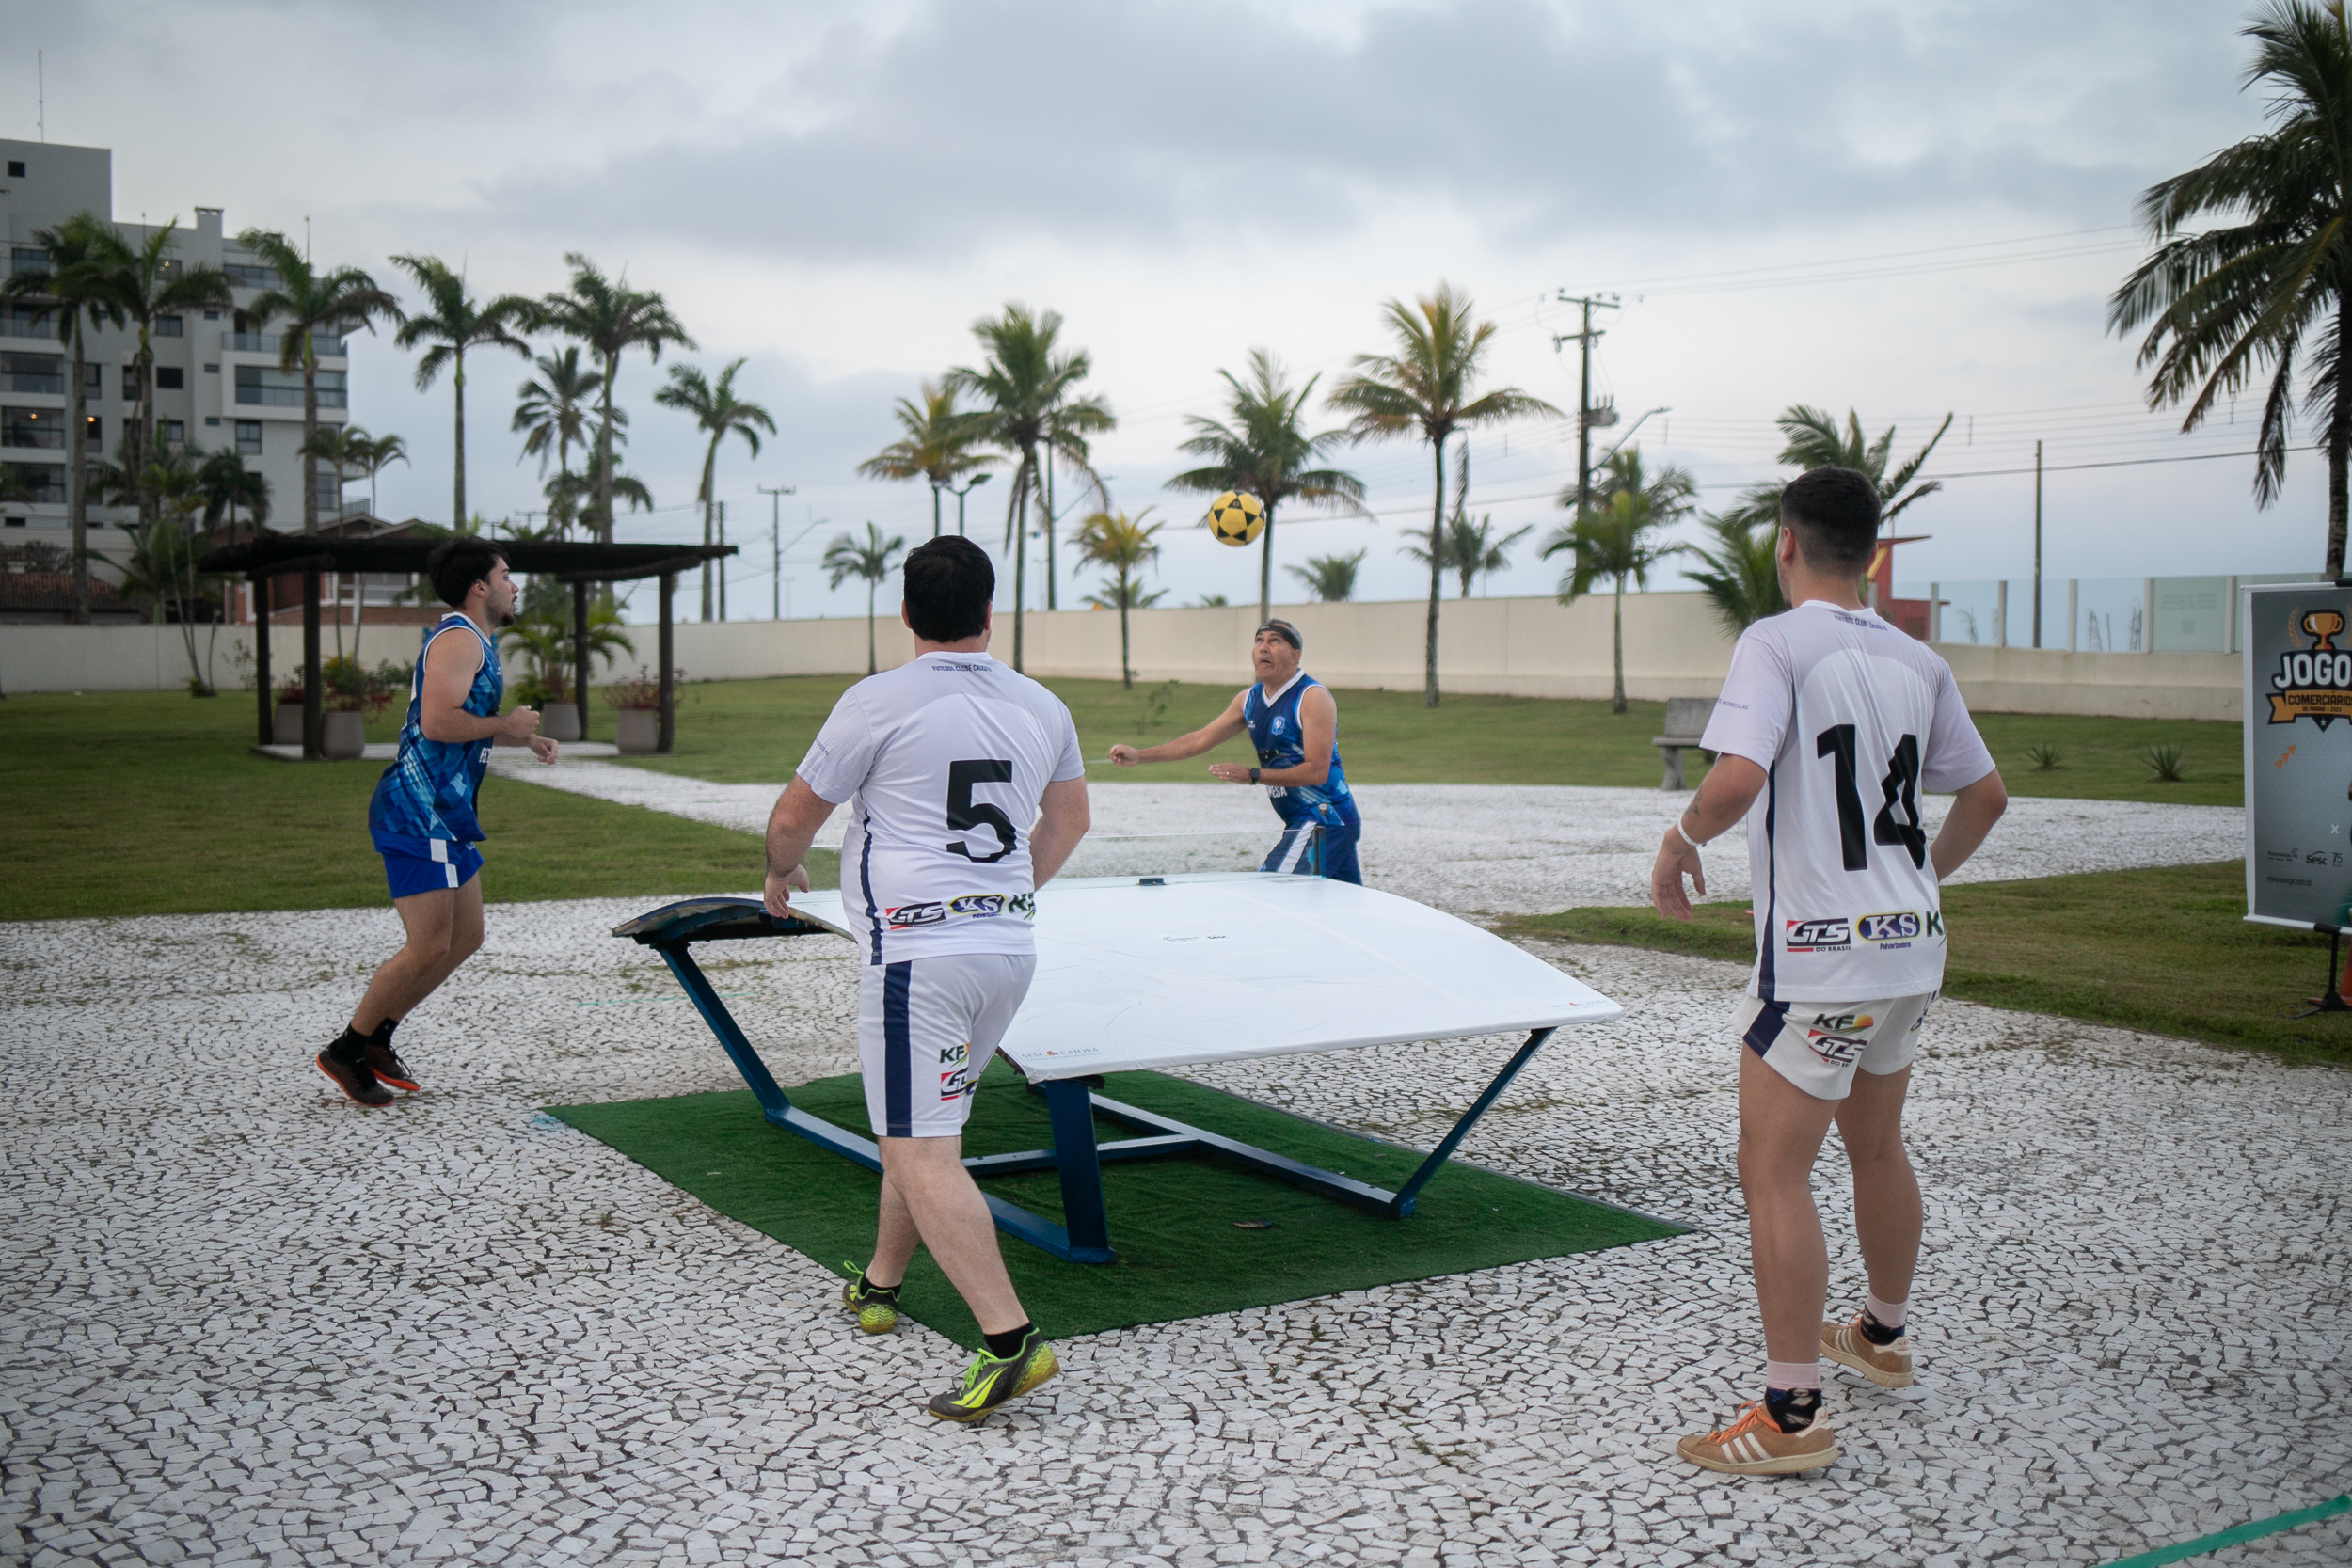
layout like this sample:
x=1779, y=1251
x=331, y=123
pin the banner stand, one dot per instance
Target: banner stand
x=2332, y=1001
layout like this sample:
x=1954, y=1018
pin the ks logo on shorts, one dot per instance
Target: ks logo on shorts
x=1817, y=935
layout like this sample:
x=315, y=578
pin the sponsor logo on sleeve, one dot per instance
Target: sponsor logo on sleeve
x=979, y=906
x=915, y=914
x=1817, y=935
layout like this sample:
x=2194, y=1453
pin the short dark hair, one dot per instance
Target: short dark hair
x=456, y=564
x=1834, y=514
x=949, y=582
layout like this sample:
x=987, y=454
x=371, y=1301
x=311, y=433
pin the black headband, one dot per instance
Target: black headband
x=1287, y=632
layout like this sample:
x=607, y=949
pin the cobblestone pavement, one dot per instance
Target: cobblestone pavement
x=1490, y=848
x=243, y=1321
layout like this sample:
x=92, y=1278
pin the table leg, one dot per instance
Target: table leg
x=1403, y=1204
x=1069, y=1106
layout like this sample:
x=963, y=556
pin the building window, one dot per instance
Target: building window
x=212, y=315
x=44, y=482
x=213, y=421
x=32, y=373
x=170, y=378
x=272, y=388
x=93, y=432
x=131, y=383
x=170, y=327
x=16, y=168
x=26, y=320
x=174, y=431
x=211, y=370
x=248, y=437
x=15, y=522
x=28, y=257
x=245, y=274
x=33, y=427
x=93, y=383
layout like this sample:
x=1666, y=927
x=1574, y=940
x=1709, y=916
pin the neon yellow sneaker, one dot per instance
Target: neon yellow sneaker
x=991, y=1381
x=877, y=1310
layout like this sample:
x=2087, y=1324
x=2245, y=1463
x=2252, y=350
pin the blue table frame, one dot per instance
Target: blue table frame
x=1071, y=1105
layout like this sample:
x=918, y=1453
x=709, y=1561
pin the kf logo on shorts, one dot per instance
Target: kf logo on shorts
x=954, y=1076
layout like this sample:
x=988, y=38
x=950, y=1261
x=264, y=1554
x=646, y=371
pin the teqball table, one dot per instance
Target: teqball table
x=1161, y=972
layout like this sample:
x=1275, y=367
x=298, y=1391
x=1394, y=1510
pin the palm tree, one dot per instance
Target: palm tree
x=372, y=455
x=310, y=302
x=1812, y=438
x=457, y=321
x=73, y=283
x=608, y=318
x=338, y=445
x=1265, y=450
x=1740, y=579
x=566, y=491
x=1121, y=546
x=1616, y=538
x=718, y=413
x=1026, y=391
x=149, y=282
x=2224, y=305
x=937, y=445
x=1425, y=390
x=1330, y=577
x=227, y=485
x=553, y=413
x=870, y=559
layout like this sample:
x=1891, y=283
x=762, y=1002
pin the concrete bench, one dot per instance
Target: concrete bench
x=1686, y=722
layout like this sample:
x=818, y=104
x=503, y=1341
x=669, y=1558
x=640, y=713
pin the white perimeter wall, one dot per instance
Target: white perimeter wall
x=1531, y=648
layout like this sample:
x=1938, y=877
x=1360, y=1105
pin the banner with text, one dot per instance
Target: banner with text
x=2298, y=754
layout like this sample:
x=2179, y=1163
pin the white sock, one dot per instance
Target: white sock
x=1888, y=1313
x=1793, y=1376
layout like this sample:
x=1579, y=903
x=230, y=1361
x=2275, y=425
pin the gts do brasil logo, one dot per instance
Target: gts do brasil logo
x=2313, y=684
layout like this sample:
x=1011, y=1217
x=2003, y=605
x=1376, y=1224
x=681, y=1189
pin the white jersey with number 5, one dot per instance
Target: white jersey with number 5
x=1851, y=720
x=943, y=761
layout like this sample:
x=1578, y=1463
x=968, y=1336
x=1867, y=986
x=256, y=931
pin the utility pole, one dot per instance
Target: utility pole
x=775, y=542
x=1587, y=416
x=2037, y=544
x=1050, y=602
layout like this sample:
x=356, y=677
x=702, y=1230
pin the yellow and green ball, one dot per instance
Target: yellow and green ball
x=1236, y=518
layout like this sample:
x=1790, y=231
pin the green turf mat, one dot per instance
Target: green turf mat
x=1171, y=1221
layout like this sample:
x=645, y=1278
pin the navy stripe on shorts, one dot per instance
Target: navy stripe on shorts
x=898, y=1051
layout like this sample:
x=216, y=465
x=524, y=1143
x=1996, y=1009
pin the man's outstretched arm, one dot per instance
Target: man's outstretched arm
x=1216, y=732
x=799, y=811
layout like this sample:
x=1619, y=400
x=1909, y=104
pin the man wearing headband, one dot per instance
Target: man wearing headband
x=1295, y=725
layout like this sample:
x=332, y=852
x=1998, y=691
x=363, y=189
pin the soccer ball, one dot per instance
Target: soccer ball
x=1236, y=518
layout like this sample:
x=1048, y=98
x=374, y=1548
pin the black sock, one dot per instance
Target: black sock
x=867, y=1287
x=1792, y=1409
x=383, y=1035
x=1008, y=1343
x=350, y=1047
x=1877, y=1332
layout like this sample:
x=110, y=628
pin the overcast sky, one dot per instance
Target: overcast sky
x=1905, y=210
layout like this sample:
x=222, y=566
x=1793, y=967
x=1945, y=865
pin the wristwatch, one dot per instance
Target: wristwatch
x=1253, y=775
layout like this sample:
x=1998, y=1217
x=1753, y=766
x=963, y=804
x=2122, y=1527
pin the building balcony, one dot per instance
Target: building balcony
x=269, y=343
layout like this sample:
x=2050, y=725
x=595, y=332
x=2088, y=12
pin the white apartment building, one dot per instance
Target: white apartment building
x=217, y=382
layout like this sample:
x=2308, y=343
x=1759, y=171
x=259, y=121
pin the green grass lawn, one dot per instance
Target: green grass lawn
x=755, y=731
x=149, y=803
x=2167, y=951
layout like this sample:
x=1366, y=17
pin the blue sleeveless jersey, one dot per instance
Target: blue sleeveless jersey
x=1274, y=731
x=430, y=789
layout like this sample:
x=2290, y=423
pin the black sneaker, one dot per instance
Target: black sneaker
x=356, y=1079
x=992, y=1380
x=386, y=1064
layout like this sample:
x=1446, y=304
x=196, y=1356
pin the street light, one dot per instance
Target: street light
x=971, y=485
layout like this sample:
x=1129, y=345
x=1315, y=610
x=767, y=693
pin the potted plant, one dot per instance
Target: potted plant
x=637, y=702
x=559, y=716
x=285, y=720
x=346, y=700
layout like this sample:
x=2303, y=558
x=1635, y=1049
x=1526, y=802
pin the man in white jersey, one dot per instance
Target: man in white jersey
x=966, y=791
x=1831, y=725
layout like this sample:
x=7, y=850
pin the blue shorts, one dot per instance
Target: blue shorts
x=1331, y=853
x=449, y=865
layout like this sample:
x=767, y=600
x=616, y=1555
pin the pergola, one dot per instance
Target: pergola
x=278, y=555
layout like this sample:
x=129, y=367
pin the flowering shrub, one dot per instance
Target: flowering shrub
x=639, y=692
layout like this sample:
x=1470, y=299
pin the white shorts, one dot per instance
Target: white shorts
x=1816, y=1045
x=926, y=1028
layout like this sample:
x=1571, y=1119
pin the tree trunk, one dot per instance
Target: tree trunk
x=1437, y=576
x=709, y=463
x=457, y=381
x=604, y=453
x=1046, y=495
x=871, y=662
x=76, y=481
x=1266, y=569
x=935, y=511
x=1020, y=550
x=142, y=421
x=1126, y=595
x=309, y=435
x=1616, y=647
x=2339, y=440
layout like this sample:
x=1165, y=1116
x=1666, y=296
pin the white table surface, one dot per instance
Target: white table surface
x=1229, y=966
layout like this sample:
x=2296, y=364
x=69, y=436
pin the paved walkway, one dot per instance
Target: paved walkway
x=1493, y=849
x=244, y=1322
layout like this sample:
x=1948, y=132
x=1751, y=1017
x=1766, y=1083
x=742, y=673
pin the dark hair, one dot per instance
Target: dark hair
x=456, y=564
x=949, y=582
x=1834, y=514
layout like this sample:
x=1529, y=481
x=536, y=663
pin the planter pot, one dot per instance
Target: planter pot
x=347, y=735
x=285, y=725
x=639, y=730
x=559, y=720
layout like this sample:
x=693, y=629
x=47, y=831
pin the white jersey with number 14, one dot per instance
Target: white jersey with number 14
x=943, y=761
x=1851, y=721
